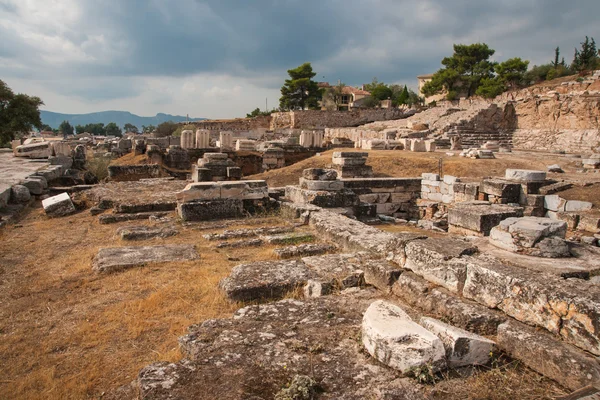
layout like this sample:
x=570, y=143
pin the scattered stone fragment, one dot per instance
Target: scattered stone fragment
x=590, y=240
x=58, y=206
x=549, y=356
x=303, y=250
x=119, y=258
x=314, y=289
x=265, y=280
x=144, y=232
x=319, y=174
x=340, y=270
x=35, y=186
x=525, y=175
x=114, y=218
x=462, y=347
x=289, y=238
x=478, y=218
x=240, y=243
x=393, y=338
x=555, y=168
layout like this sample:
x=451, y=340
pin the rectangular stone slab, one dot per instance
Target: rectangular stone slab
x=119, y=258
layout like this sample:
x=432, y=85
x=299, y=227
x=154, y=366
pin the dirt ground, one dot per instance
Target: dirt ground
x=390, y=163
x=69, y=333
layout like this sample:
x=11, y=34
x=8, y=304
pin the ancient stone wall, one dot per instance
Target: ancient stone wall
x=237, y=124
x=320, y=119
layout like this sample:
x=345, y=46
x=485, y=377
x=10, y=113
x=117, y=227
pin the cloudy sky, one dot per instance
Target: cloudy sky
x=222, y=58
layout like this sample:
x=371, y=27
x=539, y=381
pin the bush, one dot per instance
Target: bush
x=98, y=167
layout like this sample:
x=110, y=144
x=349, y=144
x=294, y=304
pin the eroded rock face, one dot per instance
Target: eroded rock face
x=303, y=250
x=144, y=232
x=568, y=366
x=393, y=338
x=462, y=347
x=262, y=348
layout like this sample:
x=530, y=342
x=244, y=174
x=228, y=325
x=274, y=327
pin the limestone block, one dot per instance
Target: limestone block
x=205, y=210
x=370, y=198
x=553, y=202
x=589, y=222
x=575, y=205
x=349, y=154
x=120, y=258
x=540, y=237
x=450, y=180
x=58, y=206
x=430, y=145
x=387, y=208
x=485, y=154
x=439, y=261
x=462, y=347
x=548, y=356
x=20, y=194
x=4, y=194
x=315, y=288
x=234, y=173
x=480, y=217
x=393, y=338
x=319, y=174
x=430, y=177
x=265, y=280
x=321, y=185
x=244, y=190
x=199, y=191
x=348, y=162
x=303, y=250
x=418, y=145
x=525, y=175
x=501, y=188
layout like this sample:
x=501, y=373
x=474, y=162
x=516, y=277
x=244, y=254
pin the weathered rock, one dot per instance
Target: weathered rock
x=438, y=261
x=478, y=218
x=35, y=186
x=243, y=233
x=114, y=218
x=461, y=312
x=525, y=175
x=553, y=358
x=393, y=338
x=19, y=194
x=144, y=232
x=569, y=308
x=462, y=347
x=340, y=270
x=329, y=185
x=262, y=347
x=265, y=280
x=303, y=250
x=553, y=202
x=319, y=174
x=555, y=168
x=540, y=237
x=576, y=205
x=58, y=206
x=119, y=258
x=210, y=209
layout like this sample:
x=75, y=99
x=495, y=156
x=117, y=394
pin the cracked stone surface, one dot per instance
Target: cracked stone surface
x=263, y=347
x=119, y=258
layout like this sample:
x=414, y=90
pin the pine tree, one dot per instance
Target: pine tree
x=300, y=92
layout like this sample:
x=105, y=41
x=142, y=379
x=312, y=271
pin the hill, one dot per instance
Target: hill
x=119, y=117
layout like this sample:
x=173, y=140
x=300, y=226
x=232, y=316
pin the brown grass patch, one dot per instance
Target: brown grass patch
x=391, y=163
x=69, y=333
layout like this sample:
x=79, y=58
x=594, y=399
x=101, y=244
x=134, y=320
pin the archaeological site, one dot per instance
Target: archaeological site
x=434, y=235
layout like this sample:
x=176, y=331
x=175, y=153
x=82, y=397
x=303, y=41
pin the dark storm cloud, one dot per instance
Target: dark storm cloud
x=350, y=40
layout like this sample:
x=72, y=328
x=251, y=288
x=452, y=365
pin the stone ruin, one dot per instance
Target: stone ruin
x=216, y=167
x=351, y=164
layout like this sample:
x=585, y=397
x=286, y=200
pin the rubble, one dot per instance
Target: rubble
x=478, y=218
x=144, y=232
x=303, y=250
x=540, y=237
x=58, y=206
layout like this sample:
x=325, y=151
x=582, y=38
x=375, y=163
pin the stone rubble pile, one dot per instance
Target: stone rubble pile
x=216, y=167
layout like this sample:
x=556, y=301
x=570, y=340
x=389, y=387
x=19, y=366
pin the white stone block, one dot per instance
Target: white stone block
x=525, y=175
x=553, y=202
x=393, y=338
x=576, y=205
x=58, y=206
x=430, y=177
x=450, y=180
x=462, y=347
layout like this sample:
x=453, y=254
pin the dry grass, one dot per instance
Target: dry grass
x=130, y=159
x=409, y=164
x=69, y=333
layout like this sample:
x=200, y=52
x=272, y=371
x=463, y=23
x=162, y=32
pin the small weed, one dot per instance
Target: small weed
x=424, y=374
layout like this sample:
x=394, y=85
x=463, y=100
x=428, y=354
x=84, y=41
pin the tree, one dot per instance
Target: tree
x=46, y=128
x=381, y=92
x=466, y=68
x=300, y=92
x=148, y=128
x=113, y=129
x=556, y=63
x=66, y=129
x=491, y=87
x=402, y=98
x=166, y=129
x=258, y=113
x=587, y=58
x=19, y=113
x=511, y=72
x=130, y=128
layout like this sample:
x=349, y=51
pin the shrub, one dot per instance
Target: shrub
x=98, y=167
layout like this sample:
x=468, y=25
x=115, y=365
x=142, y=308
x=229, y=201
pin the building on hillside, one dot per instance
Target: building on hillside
x=350, y=97
x=423, y=79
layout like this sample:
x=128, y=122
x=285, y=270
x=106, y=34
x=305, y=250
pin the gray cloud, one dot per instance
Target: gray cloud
x=105, y=45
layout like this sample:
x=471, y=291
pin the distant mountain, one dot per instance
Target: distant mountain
x=119, y=117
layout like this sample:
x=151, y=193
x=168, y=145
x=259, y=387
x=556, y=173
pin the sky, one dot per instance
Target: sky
x=224, y=58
